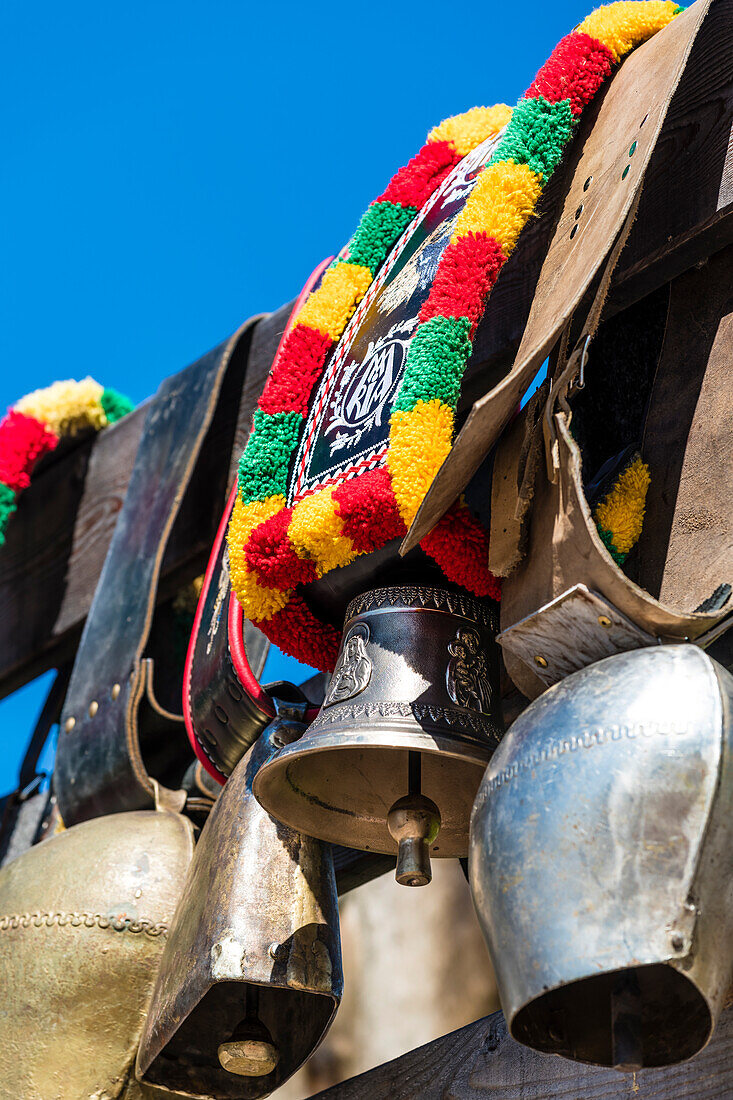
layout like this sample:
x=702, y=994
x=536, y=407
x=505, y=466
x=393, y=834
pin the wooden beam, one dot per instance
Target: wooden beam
x=58, y=539
x=482, y=1061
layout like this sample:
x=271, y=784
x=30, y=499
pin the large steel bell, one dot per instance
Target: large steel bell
x=410, y=719
x=602, y=860
x=251, y=977
x=83, y=924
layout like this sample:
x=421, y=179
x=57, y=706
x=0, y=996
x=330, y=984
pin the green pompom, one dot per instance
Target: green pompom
x=8, y=498
x=263, y=468
x=607, y=540
x=115, y=405
x=536, y=135
x=436, y=361
x=379, y=229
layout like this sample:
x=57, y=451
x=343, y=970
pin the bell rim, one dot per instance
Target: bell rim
x=675, y=965
x=272, y=778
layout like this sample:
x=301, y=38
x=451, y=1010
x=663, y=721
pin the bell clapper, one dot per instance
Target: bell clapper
x=250, y=1052
x=628, y=1047
x=414, y=822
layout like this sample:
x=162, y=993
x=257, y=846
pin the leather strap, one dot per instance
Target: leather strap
x=224, y=712
x=572, y=366
x=99, y=764
x=224, y=706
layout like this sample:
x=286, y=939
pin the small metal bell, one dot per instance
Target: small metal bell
x=251, y=977
x=410, y=719
x=602, y=860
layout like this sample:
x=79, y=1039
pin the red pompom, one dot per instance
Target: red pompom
x=413, y=184
x=460, y=546
x=468, y=269
x=270, y=554
x=296, y=631
x=368, y=510
x=23, y=440
x=296, y=371
x=575, y=70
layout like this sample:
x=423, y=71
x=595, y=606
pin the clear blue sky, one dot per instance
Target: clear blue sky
x=171, y=168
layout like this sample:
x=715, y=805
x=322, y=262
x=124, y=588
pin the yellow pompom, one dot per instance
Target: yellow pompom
x=316, y=532
x=624, y=25
x=621, y=513
x=66, y=407
x=419, y=442
x=329, y=308
x=258, y=602
x=500, y=204
x=466, y=131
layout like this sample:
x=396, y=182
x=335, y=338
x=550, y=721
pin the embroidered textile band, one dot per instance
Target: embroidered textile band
x=274, y=548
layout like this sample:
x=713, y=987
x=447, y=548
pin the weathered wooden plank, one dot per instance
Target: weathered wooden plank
x=685, y=214
x=59, y=537
x=482, y=1061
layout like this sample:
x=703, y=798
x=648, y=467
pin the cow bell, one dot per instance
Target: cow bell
x=602, y=860
x=251, y=977
x=408, y=724
x=83, y=923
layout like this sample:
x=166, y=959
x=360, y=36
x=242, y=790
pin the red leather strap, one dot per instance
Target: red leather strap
x=238, y=654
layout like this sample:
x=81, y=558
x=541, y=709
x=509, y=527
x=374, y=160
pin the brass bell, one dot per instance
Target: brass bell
x=83, y=923
x=408, y=724
x=602, y=860
x=251, y=977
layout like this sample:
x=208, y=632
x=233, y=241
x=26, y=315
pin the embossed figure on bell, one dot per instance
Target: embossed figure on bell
x=601, y=860
x=467, y=676
x=353, y=669
x=410, y=719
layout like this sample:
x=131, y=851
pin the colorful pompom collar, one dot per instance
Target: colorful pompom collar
x=36, y=424
x=274, y=548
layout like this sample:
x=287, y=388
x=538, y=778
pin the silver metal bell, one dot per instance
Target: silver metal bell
x=410, y=719
x=601, y=860
x=251, y=976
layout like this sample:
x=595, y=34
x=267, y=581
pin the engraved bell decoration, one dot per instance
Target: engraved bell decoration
x=602, y=860
x=251, y=977
x=410, y=719
x=83, y=921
